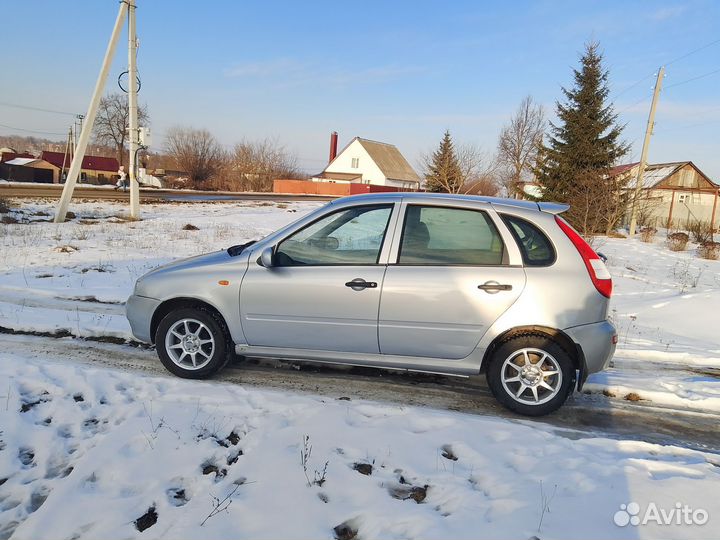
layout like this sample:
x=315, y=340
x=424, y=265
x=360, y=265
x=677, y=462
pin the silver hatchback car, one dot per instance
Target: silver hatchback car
x=439, y=283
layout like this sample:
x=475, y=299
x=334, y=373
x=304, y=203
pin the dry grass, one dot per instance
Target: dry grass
x=709, y=250
x=647, y=234
x=677, y=241
x=701, y=231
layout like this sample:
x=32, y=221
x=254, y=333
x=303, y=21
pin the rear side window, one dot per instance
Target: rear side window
x=434, y=235
x=535, y=246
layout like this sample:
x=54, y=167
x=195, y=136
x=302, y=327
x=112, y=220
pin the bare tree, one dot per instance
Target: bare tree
x=478, y=170
x=112, y=121
x=253, y=165
x=473, y=170
x=195, y=151
x=518, y=144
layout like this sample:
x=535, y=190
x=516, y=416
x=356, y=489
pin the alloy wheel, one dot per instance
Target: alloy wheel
x=190, y=344
x=531, y=376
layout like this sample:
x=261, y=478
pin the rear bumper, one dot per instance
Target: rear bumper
x=139, y=311
x=596, y=343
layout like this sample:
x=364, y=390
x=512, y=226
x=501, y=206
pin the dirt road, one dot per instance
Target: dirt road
x=582, y=417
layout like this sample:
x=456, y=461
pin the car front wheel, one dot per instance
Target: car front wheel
x=531, y=375
x=192, y=343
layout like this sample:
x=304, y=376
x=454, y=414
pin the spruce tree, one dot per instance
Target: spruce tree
x=573, y=166
x=444, y=174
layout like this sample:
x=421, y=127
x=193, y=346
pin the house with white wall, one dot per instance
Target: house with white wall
x=369, y=162
x=673, y=194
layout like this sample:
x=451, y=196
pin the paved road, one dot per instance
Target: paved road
x=582, y=417
x=149, y=194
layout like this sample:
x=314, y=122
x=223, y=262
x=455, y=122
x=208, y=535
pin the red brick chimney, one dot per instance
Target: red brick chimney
x=333, y=145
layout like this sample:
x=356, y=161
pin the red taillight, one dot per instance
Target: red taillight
x=596, y=268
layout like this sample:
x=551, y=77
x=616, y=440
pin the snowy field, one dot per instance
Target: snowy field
x=92, y=452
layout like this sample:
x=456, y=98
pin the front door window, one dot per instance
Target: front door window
x=353, y=236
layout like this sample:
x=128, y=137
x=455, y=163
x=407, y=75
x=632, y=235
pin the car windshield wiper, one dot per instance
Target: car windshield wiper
x=234, y=251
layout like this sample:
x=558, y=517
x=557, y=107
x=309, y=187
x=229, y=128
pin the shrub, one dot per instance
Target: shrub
x=701, y=231
x=677, y=241
x=616, y=234
x=647, y=234
x=4, y=206
x=709, y=250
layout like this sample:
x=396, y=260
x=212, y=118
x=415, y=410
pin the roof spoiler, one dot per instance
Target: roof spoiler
x=553, y=207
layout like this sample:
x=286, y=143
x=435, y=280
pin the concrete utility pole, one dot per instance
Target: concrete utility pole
x=133, y=109
x=90, y=118
x=646, y=146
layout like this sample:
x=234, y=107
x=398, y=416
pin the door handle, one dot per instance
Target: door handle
x=358, y=284
x=492, y=287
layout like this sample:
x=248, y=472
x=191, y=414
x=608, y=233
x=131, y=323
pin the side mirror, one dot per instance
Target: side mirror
x=267, y=257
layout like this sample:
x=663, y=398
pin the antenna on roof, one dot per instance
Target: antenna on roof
x=127, y=9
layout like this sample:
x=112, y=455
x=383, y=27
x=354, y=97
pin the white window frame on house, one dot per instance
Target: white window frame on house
x=683, y=198
x=355, y=163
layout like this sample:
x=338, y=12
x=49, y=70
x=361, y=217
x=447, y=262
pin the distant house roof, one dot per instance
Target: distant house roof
x=21, y=161
x=7, y=156
x=347, y=177
x=93, y=163
x=623, y=168
x=388, y=159
x=655, y=173
x=391, y=162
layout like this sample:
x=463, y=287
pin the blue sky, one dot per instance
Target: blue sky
x=400, y=72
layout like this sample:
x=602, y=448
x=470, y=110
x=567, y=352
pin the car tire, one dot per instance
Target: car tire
x=531, y=374
x=192, y=343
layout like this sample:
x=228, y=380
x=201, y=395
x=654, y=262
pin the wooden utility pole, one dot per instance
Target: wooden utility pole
x=65, y=156
x=643, y=157
x=82, y=142
x=133, y=111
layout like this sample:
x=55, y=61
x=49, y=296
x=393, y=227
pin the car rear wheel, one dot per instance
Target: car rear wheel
x=531, y=375
x=192, y=343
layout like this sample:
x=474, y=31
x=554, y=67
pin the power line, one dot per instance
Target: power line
x=688, y=126
x=692, y=52
x=693, y=79
x=634, y=85
x=644, y=98
x=28, y=108
x=32, y=130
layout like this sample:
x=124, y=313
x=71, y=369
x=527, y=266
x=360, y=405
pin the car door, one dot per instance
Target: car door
x=323, y=289
x=448, y=280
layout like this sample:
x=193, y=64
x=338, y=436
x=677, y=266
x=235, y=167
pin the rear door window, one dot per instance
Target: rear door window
x=535, y=246
x=435, y=235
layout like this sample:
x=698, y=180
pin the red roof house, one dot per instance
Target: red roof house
x=90, y=163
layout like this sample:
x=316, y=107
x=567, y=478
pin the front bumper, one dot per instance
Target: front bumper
x=139, y=311
x=597, y=342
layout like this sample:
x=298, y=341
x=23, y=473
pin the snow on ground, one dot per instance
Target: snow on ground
x=95, y=450
x=664, y=306
x=86, y=452
x=75, y=277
